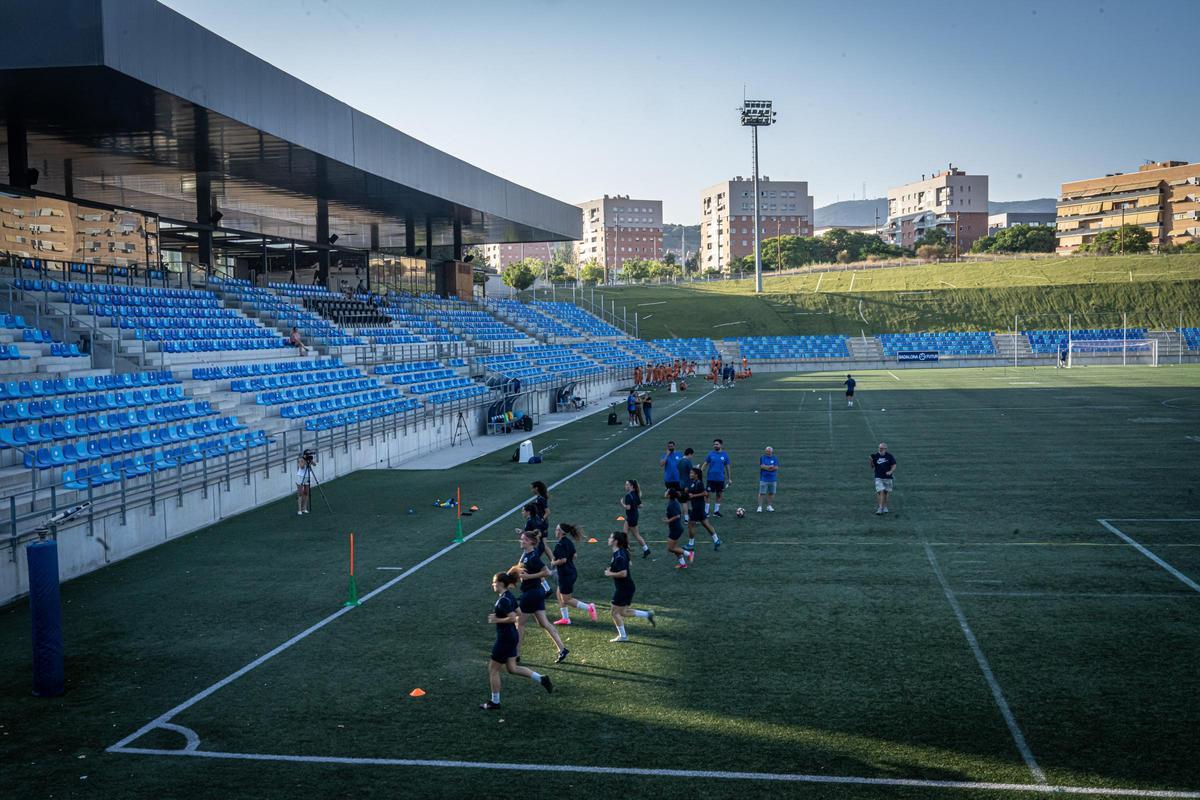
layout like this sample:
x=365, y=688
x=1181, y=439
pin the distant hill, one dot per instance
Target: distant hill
x=862, y=212
x=671, y=237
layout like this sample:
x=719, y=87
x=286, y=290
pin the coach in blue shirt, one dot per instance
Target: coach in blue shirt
x=670, y=464
x=768, y=478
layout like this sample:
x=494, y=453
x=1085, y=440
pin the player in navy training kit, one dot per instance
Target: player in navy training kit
x=504, y=651
x=672, y=478
x=674, y=520
x=564, y=559
x=685, y=475
x=698, y=514
x=622, y=599
x=537, y=524
x=720, y=475
x=531, y=570
x=632, y=503
x=850, y=384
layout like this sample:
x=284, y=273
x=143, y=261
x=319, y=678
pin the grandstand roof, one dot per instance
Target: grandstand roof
x=122, y=99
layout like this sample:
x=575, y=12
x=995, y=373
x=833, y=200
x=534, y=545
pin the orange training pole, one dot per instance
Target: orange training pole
x=352, y=599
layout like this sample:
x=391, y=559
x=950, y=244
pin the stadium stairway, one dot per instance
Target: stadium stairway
x=730, y=350
x=1014, y=346
x=1170, y=344
x=864, y=348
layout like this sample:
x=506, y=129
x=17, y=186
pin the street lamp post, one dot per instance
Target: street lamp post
x=756, y=114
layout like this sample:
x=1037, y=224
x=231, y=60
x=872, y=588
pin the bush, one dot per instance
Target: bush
x=931, y=252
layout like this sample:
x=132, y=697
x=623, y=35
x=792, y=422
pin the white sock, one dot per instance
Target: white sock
x=580, y=604
x=645, y=548
x=536, y=677
x=642, y=614
x=717, y=507
x=682, y=560
x=715, y=539
x=706, y=507
x=565, y=614
x=691, y=542
x=621, y=631
x=496, y=698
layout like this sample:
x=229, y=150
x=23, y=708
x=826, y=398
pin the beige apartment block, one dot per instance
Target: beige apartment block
x=500, y=256
x=1162, y=196
x=951, y=200
x=619, y=228
x=785, y=208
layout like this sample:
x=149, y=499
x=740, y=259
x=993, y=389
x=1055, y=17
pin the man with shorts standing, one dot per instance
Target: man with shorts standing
x=670, y=464
x=850, y=384
x=720, y=475
x=884, y=465
x=768, y=478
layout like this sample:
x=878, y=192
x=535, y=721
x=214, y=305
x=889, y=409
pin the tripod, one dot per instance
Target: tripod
x=309, y=479
x=460, y=429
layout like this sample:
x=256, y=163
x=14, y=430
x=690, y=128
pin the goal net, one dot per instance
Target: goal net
x=1082, y=352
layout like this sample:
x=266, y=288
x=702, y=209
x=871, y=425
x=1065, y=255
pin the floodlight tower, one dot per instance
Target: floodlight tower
x=756, y=114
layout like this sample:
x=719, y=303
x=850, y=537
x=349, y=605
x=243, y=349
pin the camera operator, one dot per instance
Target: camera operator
x=304, y=478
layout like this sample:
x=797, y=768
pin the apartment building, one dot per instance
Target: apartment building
x=785, y=208
x=619, y=228
x=1162, y=196
x=499, y=256
x=951, y=200
x=1006, y=219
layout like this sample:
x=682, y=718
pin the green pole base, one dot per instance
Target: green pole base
x=458, y=537
x=352, y=600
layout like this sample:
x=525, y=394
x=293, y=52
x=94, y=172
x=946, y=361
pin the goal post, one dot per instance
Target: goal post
x=1112, y=352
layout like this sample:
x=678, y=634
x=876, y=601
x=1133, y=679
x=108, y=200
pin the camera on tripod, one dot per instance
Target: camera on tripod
x=309, y=457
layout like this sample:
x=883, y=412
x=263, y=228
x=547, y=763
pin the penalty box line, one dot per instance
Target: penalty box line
x=1184, y=579
x=776, y=777
x=158, y=722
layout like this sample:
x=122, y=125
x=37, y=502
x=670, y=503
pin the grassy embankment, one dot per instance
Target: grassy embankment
x=1156, y=292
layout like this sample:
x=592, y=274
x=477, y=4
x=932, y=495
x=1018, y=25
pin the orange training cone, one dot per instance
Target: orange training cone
x=418, y=692
x=592, y=540
x=620, y=519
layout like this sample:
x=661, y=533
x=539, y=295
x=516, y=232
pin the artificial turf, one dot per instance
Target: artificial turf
x=818, y=641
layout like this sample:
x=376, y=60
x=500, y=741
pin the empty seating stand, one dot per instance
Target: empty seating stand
x=952, y=343
x=792, y=348
x=1049, y=341
x=1191, y=337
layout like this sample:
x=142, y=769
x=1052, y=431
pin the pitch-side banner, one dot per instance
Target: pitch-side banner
x=917, y=355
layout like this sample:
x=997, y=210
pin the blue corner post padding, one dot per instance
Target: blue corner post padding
x=45, y=608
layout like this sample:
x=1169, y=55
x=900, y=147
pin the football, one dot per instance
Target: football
x=741, y=512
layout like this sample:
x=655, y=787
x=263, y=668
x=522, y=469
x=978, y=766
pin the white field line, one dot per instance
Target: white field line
x=829, y=397
x=304, y=634
x=820, y=278
x=985, y=667
x=655, y=303
x=727, y=324
x=894, y=375
x=853, y=275
x=1184, y=579
x=1069, y=595
x=391, y=569
x=1153, y=519
x=775, y=777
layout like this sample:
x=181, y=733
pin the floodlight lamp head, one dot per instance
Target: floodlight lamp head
x=757, y=113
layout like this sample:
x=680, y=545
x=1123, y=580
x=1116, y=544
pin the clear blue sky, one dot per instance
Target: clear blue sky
x=581, y=99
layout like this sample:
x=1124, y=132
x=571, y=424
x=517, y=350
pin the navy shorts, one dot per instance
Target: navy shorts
x=672, y=484
x=631, y=518
x=533, y=600
x=623, y=596
x=504, y=648
x=697, y=515
x=849, y=393
x=674, y=535
x=566, y=581
x=715, y=486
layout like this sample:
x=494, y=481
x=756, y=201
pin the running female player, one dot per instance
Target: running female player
x=564, y=559
x=541, y=499
x=622, y=599
x=674, y=520
x=504, y=651
x=531, y=570
x=697, y=494
x=632, y=502
x=537, y=524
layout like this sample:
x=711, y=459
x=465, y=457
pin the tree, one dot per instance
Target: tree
x=1126, y=239
x=937, y=237
x=592, y=272
x=520, y=275
x=663, y=269
x=1018, y=239
x=932, y=252
x=635, y=269
x=669, y=258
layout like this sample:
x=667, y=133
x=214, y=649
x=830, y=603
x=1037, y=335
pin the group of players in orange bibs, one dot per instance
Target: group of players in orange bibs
x=662, y=374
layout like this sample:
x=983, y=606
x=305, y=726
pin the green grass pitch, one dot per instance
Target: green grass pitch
x=819, y=642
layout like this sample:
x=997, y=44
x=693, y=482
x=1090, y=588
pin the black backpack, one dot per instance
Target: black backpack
x=612, y=418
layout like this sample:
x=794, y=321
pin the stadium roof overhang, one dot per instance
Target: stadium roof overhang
x=127, y=103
